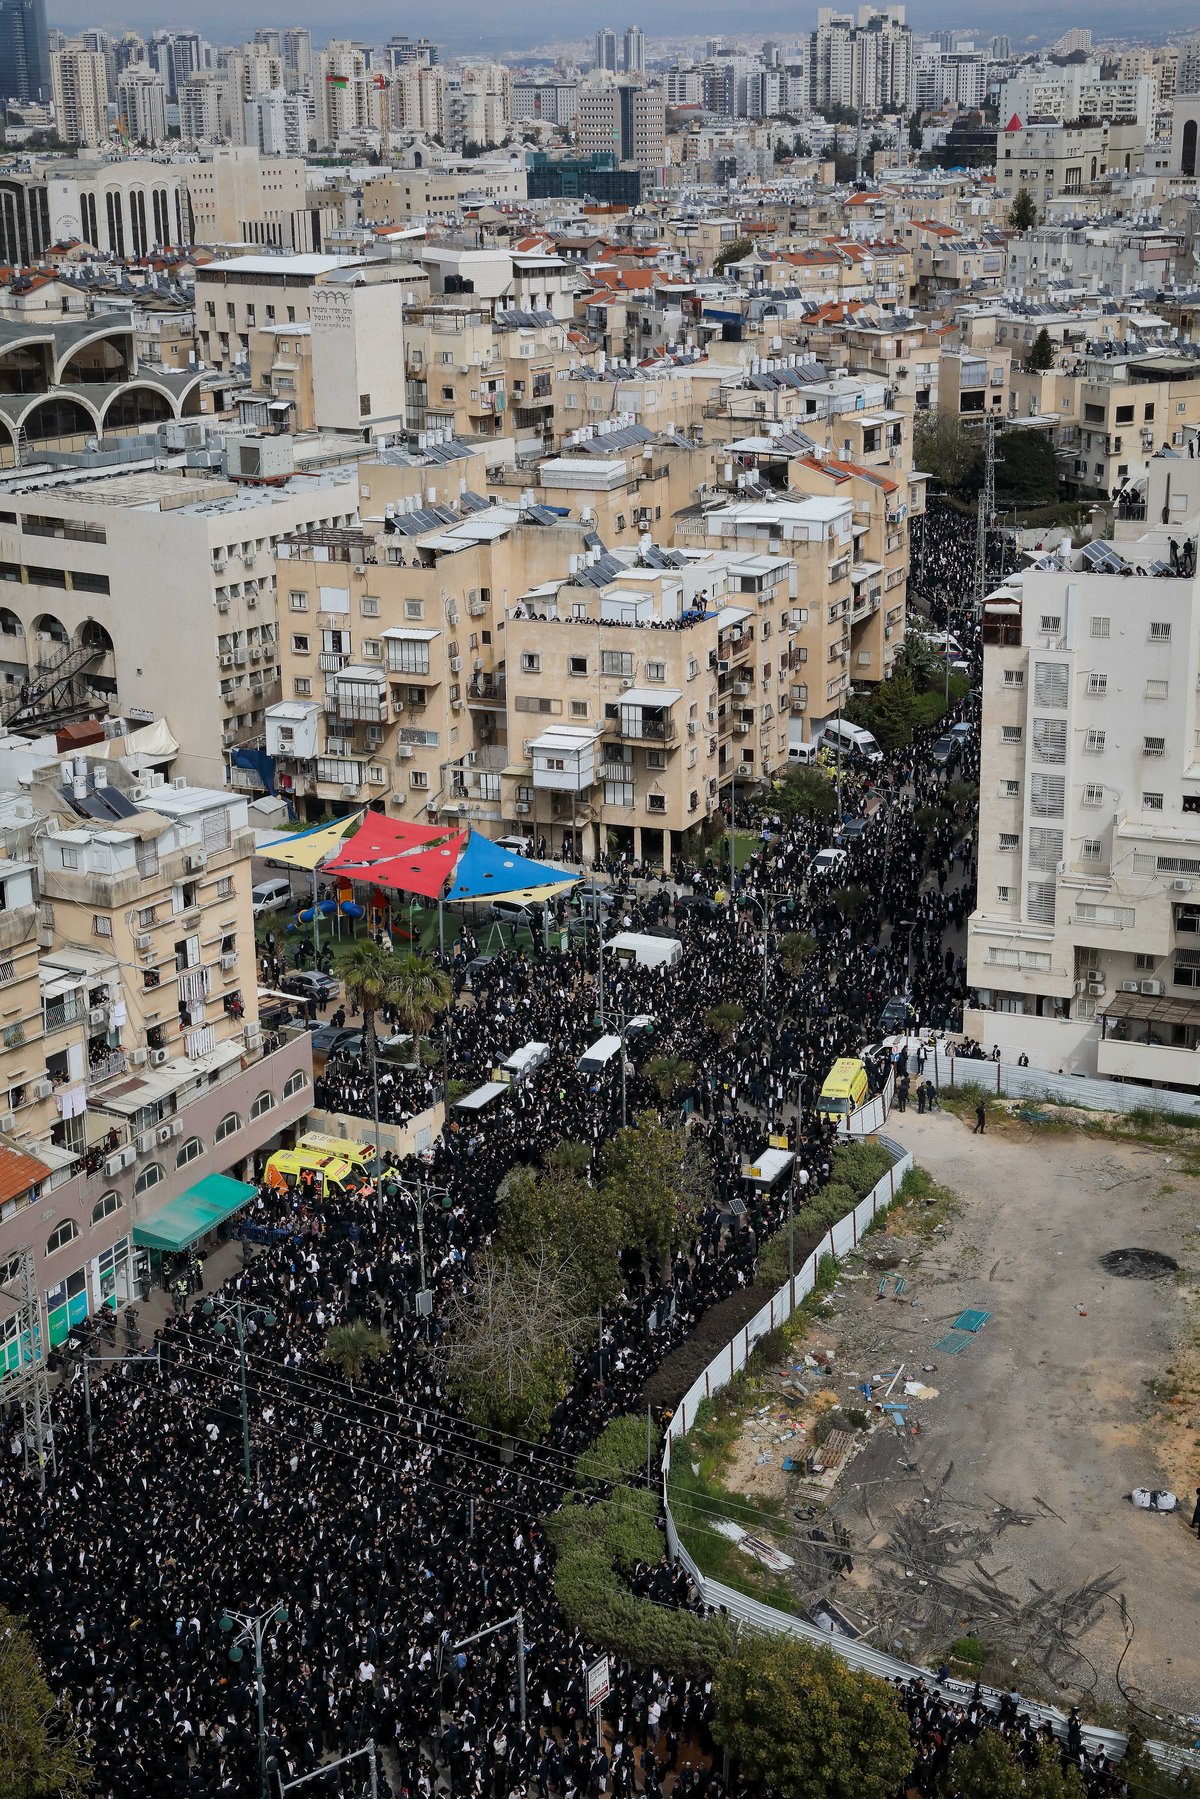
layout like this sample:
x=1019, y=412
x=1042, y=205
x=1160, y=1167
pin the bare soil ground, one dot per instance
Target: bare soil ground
x=1004, y=1514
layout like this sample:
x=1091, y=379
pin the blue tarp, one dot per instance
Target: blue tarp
x=485, y=871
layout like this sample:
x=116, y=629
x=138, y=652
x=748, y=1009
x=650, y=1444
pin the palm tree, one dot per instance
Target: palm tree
x=351, y=1346
x=369, y=975
x=795, y=947
x=420, y=992
x=667, y=1074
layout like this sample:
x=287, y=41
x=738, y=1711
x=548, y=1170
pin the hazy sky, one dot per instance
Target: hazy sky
x=464, y=24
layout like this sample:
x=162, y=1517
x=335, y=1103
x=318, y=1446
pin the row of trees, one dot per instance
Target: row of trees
x=511, y=1338
x=1026, y=466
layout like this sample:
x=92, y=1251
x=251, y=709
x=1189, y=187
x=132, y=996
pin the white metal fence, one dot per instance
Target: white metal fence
x=751, y=1613
x=873, y=1116
x=1014, y=1082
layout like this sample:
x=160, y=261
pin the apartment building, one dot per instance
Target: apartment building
x=83, y=618
x=1114, y=413
x=79, y=87
x=454, y=371
x=1082, y=951
x=393, y=649
x=620, y=480
x=624, y=120
x=667, y=396
x=142, y=104
x=974, y=383
x=234, y=296
x=132, y=1061
x=847, y=415
x=240, y=196
x=641, y=686
x=1049, y=160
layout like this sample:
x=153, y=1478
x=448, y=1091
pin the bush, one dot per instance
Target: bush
x=598, y=1542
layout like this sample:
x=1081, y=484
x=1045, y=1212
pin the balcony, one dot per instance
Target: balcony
x=632, y=728
x=1125, y=1060
x=105, y=1067
x=488, y=691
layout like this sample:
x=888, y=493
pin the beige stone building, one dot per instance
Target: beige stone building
x=241, y=197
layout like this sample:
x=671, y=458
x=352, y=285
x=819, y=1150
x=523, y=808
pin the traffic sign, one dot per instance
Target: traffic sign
x=598, y=1682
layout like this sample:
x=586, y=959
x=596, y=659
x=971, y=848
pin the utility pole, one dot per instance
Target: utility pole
x=30, y=1385
x=233, y=1309
x=517, y=1618
x=987, y=508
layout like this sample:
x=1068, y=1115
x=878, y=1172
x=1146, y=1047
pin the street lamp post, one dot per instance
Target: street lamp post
x=251, y=1629
x=518, y=1618
x=235, y=1310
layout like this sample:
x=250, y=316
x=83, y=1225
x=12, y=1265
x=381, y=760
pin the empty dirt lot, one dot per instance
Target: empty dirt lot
x=1045, y=1415
x=1005, y=1517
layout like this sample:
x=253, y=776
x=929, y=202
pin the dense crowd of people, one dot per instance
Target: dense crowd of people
x=388, y=1529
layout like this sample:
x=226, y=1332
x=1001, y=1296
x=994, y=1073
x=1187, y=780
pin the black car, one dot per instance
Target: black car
x=945, y=751
x=850, y=830
x=894, y=1016
x=328, y=1040
x=311, y=984
x=476, y=971
x=696, y=905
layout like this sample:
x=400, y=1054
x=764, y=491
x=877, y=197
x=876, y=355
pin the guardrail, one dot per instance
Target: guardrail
x=1013, y=1081
x=842, y=1237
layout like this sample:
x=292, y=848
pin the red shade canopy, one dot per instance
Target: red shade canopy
x=392, y=853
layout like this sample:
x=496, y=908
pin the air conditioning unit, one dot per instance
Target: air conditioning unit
x=43, y=1089
x=744, y=729
x=196, y=860
x=1181, y=886
x=522, y=808
x=229, y=962
x=157, y=1057
x=98, y=1015
x=165, y=1133
x=1151, y=988
x=142, y=941
x=404, y=752
x=230, y=698
x=455, y=665
x=239, y=657
x=8, y=1121
x=252, y=599
x=1131, y=987
x=222, y=605
x=145, y=1143
x=693, y=727
x=1095, y=988
x=349, y=791
x=114, y=1164
x=227, y=661
x=137, y=1058
x=256, y=655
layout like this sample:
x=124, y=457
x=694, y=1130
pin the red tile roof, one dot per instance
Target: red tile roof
x=18, y=1173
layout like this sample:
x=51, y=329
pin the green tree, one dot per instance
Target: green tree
x=656, y=1176
x=733, y=251
x=795, y=949
x=667, y=1074
x=40, y=1754
x=571, y=1220
x=888, y=711
x=1027, y=470
x=798, y=1720
x=984, y=1769
x=420, y=992
x=919, y=657
x=507, y=1351
x=723, y=1020
x=1023, y=213
x=943, y=447
x=352, y=1346
x=1144, y=1777
x=1041, y=354
x=805, y=793
x=369, y=974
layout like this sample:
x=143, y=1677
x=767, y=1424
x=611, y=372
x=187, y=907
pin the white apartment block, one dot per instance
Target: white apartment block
x=1084, y=949
x=868, y=56
x=79, y=86
x=142, y=104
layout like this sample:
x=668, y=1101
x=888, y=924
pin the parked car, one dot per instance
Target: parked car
x=327, y=1040
x=946, y=750
x=311, y=984
x=591, y=898
x=962, y=731
x=270, y=896
x=894, y=1016
x=517, y=912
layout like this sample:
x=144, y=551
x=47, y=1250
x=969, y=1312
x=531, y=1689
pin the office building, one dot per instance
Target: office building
x=606, y=50
x=24, y=51
x=635, y=51
x=625, y=121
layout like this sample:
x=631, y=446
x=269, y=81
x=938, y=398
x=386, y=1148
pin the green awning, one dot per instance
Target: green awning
x=194, y=1213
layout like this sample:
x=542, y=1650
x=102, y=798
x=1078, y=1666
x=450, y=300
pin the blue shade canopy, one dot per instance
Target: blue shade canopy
x=488, y=872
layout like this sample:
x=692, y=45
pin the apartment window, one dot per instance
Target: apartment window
x=1010, y=733
x=656, y=671
x=301, y=645
x=302, y=687
x=616, y=662
x=1004, y=895
x=1014, y=677
x=618, y=793
x=61, y=1235
x=1050, y=685
x=579, y=708
x=1045, y=849
x=105, y=1206
x=70, y=858
x=531, y=663
x=1047, y=796
x=1156, y=690
x=146, y=917
x=101, y=925
x=1093, y=795
x=656, y=759
x=372, y=649
x=225, y=887
x=1160, y=631
x=1039, y=902
x=149, y=1177
x=1009, y=841
x=1152, y=802
x=369, y=606
x=227, y=1127
x=419, y=779
x=1142, y=963
x=414, y=608
x=191, y=1151
x=298, y=601
x=263, y=1103
x=1011, y=790
x=1097, y=686
x=577, y=665
x=1091, y=849
x=295, y=1083
x=1100, y=627
x=1186, y=969
x=1051, y=624
x=1050, y=739
x=1154, y=746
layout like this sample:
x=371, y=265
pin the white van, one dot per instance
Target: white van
x=270, y=896
x=647, y=952
x=852, y=739
x=804, y=753
x=523, y=1061
x=596, y=1059
x=515, y=846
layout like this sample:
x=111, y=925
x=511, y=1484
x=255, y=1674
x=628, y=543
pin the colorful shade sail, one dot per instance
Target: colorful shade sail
x=489, y=872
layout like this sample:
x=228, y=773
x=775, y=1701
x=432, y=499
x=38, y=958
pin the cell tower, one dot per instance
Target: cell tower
x=987, y=507
x=29, y=1386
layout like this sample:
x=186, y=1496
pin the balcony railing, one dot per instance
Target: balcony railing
x=61, y=1013
x=107, y=1066
x=487, y=690
x=650, y=730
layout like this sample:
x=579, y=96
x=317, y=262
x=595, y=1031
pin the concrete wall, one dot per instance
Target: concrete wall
x=397, y=1140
